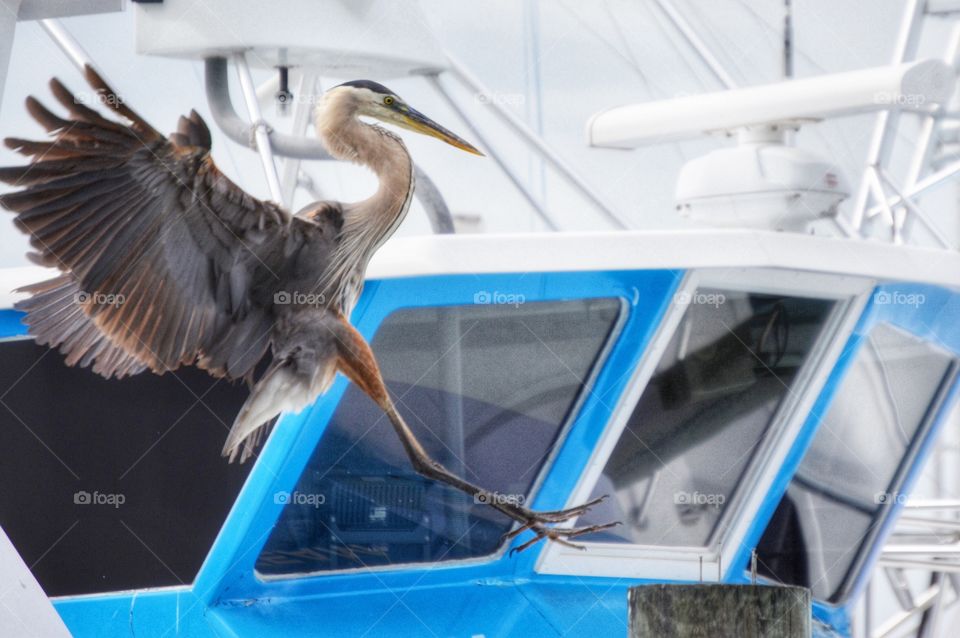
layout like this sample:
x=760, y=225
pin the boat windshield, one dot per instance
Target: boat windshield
x=705, y=415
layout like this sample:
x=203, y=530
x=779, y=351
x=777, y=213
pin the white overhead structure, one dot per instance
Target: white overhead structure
x=45, y=9
x=764, y=182
x=374, y=38
x=943, y=7
x=13, y=11
x=346, y=39
x=916, y=85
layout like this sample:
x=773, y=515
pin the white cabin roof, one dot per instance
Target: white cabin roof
x=630, y=250
x=671, y=249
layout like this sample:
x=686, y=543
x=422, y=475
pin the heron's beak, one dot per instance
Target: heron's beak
x=417, y=121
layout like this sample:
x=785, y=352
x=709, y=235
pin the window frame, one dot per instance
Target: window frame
x=600, y=359
x=901, y=482
x=869, y=548
x=725, y=548
x=229, y=573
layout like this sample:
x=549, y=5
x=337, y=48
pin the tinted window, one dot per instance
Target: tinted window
x=849, y=477
x=111, y=485
x=487, y=389
x=704, y=415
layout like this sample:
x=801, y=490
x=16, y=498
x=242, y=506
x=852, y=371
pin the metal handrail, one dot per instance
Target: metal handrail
x=926, y=551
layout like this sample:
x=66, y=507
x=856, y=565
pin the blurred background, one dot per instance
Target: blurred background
x=552, y=63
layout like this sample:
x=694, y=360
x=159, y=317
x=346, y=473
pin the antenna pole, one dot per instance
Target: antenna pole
x=787, y=39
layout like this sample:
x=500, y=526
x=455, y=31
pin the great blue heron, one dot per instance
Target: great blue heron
x=166, y=262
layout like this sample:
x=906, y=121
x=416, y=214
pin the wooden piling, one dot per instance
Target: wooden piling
x=719, y=611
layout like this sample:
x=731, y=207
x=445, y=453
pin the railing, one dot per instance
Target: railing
x=925, y=544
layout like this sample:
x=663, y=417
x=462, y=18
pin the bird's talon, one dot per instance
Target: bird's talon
x=540, y=524
x=541, y=534
x=516, y=532
x=569, y=544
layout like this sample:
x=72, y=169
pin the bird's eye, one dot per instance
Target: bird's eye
x=388, y=100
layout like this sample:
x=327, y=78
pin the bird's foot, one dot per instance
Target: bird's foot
x=542, y=524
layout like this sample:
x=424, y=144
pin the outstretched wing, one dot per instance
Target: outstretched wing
x=55, y=314
x=168, y=259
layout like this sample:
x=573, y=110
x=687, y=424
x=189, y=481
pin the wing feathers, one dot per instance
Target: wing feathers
x=81, y=111
x=55, y=314
x=115, y=102
x=148, y=228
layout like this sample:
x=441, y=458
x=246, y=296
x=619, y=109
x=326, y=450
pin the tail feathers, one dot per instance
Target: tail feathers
x=245, y=448
x=282, y=389
x=57, y=317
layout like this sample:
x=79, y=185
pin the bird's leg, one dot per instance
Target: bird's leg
x=358, y=364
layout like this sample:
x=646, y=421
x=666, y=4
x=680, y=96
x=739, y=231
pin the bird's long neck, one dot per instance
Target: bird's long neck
x=368, y=223
x=349, y=139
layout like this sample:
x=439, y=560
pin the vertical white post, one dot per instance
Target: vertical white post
x=534, y=92
x=26, y=610
x=303, y=106
x=260, y=131
x=8, y=24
